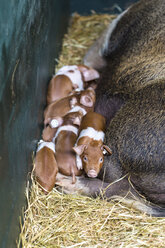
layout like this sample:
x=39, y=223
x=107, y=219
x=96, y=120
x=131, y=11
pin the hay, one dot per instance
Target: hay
x=83, y=31
x=59, y=220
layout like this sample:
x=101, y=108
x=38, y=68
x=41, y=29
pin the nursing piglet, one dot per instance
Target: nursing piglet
x=54, y=113
x=46, y=166
x=89, y=147
x=65, y=139
x=68, y=79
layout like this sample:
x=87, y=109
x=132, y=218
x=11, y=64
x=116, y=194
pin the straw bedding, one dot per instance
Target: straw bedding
x=59, y=220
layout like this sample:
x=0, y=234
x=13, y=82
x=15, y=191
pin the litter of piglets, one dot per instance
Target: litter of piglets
x=70, y=109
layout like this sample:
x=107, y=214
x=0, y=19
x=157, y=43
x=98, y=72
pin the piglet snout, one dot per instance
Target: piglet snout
x=92, y=173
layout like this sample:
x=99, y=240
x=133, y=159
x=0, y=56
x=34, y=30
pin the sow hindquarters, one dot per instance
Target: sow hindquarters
x=136, y=136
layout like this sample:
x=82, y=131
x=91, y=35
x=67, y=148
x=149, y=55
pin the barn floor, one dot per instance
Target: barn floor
x=59, y=220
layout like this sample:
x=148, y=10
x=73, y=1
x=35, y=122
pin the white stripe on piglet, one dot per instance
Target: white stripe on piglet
x=74, y=76
x=92, y=133
x=78, y=108
x=66, y=128
x=79, y=162
x=42, y=144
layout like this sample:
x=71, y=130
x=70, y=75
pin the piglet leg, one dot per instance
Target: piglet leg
x=73, y=176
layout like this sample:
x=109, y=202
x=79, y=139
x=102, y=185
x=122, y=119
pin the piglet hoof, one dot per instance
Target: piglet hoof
x=54, y=123
x=65, y=184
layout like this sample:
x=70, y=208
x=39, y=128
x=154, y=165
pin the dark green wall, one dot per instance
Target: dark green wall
x=100, y=6
x=30, y=39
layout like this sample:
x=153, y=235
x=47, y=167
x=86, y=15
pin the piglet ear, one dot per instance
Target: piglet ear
x=86, y=101
x=106, y=150
x=79, y=149
x=77, y=121
x=88, y=73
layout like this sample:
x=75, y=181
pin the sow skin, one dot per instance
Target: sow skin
x=131, y=96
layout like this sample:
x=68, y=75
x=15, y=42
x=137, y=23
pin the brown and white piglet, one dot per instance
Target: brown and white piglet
x=84, y=99
x=68, y=79
x=54, y=113
x=65, y=139
x=89, y=147
x=53, y=116
x=46, y=166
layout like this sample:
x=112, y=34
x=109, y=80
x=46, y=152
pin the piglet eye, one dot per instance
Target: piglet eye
x=85, y=158
x=101, y=160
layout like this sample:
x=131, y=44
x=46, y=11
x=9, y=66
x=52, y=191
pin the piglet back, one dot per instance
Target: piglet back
x=94, y=120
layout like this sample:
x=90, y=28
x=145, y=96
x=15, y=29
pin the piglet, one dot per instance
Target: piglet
x=68, y=79
x=89, y=147
x=46, y=168
x=65, y=139
x=54, y=113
